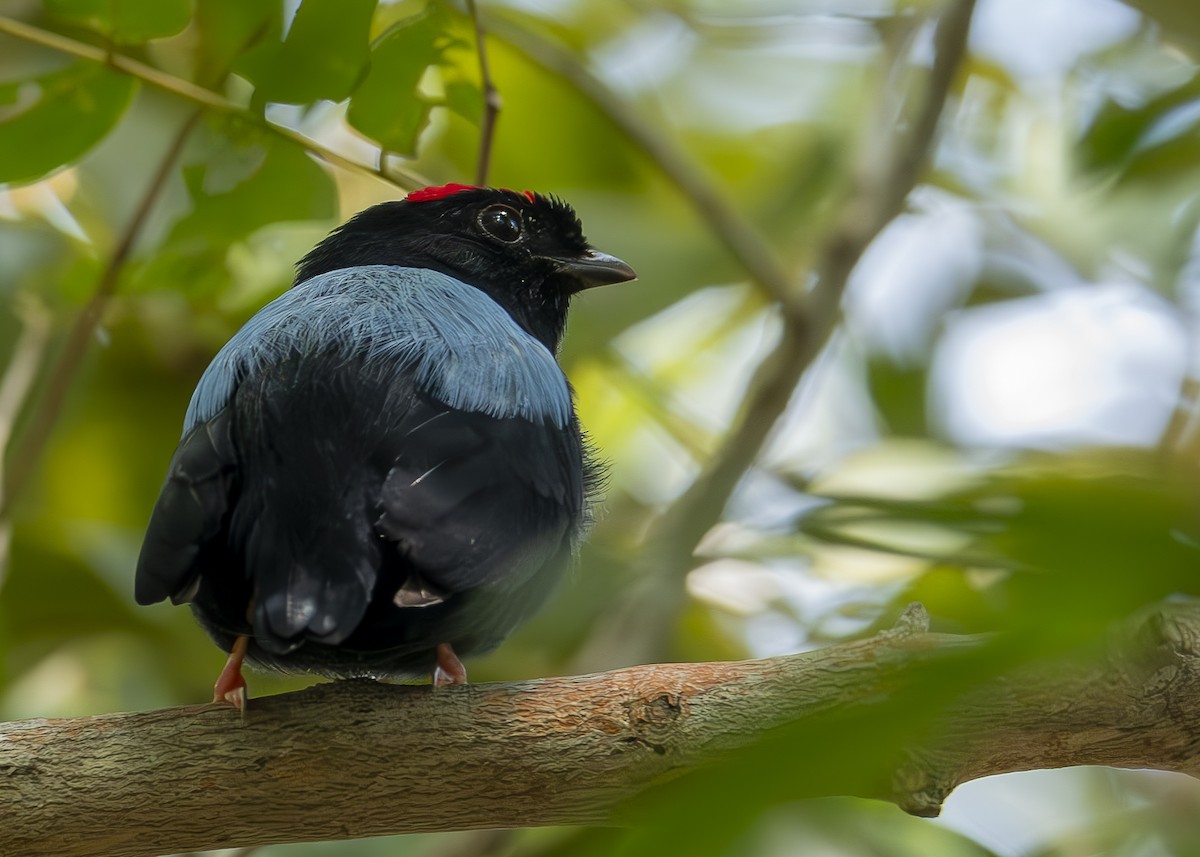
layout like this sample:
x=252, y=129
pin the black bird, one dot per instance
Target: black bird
x=383, y=469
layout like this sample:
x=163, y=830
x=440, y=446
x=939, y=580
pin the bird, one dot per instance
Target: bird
x=383, y=470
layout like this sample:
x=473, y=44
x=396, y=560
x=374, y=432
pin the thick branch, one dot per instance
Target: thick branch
x=359, y=759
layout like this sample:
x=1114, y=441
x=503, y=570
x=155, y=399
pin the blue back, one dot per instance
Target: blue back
x=464, y=349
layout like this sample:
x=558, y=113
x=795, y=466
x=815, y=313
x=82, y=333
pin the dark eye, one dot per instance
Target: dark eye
x=501, y=222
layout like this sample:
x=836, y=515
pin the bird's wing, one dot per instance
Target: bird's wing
x=190, y=512
x=199, y=493
x=472, y=500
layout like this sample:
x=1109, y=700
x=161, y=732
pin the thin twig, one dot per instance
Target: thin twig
x=878, y=198
x=400, y=177
x=491, y=99
x=23, y=365
x=41, y=423
x=739, y=236
x=640, y=630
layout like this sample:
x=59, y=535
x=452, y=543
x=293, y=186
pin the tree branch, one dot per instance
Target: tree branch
x=24, y=364
x=636, y=632
x=354, y=759
x=878, y=197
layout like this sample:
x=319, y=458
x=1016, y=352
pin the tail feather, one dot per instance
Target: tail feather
x=298, y=595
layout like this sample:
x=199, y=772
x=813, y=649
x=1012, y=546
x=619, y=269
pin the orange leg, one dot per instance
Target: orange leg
x=230, y=686
x=449, y=669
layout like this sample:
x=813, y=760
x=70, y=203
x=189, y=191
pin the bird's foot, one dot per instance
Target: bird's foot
x=231, y=686
x=449, y=669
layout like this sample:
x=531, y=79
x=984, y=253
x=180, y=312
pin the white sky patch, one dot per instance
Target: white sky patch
x=896, y=297
x=1095, y=364
x=900, y=469
x=1024, y=812
x=646, y=54
x=710, y=386
x=1036, y=39
x=738, y=75
x=745, y=588
x=548, y=9
x=831, y=414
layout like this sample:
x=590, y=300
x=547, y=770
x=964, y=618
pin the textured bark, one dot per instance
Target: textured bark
x=356, y=759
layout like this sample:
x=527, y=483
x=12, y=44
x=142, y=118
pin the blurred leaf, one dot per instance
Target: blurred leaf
x=959, y=601
x=465, y=99
x=1120, y=135
x=236, y=190
x=227, y=28
x=323, y=56
x=388, y=107
x=52, y=120
x=1105, y=532
x=849, y=826
x=50, y=595
x=125, y=21
x=582, y=842
x=1177, y=18
x=1167, y=161
x=850, y=750
x=899, y=392
x=287, y=185
x=36, y=256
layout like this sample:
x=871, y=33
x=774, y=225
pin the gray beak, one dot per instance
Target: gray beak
x=594, y=268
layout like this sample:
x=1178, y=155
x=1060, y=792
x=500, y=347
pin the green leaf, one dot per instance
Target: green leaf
x=323, y=55
x=1167, y=161
x=288, y=185
x=125, y=21
x=848, y=749
x=1119, y=135
x=235, y=192
x=388, y=107
x=228, y=28
x=1104, y=531
x=899, y=392
x=52, y=120
x=465, y=99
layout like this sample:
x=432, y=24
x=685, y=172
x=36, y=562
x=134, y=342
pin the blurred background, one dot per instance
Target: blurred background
x=998, y=415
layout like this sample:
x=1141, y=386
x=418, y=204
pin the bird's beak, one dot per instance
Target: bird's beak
x=594, y=268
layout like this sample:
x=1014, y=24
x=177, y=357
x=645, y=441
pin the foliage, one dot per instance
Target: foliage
x=1040, y=490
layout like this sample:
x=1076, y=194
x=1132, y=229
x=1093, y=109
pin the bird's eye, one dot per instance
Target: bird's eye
x=501, y=222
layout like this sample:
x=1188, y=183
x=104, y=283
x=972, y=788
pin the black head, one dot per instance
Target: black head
x=525, y=250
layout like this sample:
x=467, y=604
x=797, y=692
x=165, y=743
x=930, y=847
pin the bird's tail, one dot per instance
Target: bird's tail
x=316, y=587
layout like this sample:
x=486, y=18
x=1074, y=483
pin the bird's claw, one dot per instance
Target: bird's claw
x=449, y=669
x=235, y=697
x=231, y=685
